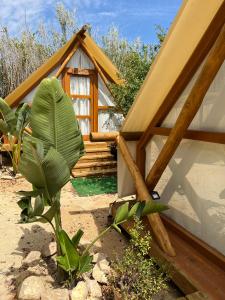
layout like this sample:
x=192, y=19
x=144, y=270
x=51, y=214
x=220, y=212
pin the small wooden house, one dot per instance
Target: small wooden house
x=85, y=72
x=175, y=131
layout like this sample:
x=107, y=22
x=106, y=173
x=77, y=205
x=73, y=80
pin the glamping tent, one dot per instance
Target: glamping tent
x=175, y=131
x=85, y=72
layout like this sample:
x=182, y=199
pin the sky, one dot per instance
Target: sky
x=135, y=18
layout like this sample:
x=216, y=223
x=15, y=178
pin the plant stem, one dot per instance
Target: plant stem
x=95, y=240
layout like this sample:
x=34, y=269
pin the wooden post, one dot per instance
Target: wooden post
x=154, y=219
x=213, y=63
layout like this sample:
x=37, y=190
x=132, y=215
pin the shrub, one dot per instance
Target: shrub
x=136, y=275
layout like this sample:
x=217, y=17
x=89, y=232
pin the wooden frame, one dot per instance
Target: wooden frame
x=187, y=73
x=68, y=72
x=210, y=68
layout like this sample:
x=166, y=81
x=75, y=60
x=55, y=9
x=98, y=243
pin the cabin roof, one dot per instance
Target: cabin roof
x=104, y=63
x=187, y=43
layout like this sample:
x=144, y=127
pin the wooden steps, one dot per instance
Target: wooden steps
x=97, y=161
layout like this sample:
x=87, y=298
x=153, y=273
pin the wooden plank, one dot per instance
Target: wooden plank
x=76, y=71
x=131, y=136
x=196, y=296
x=76, y=173
x=67, y=59
x=185, y=76
x=103, y=136
x=157, y=226
x=190, y=270
x=211, y=66
x=211, y=137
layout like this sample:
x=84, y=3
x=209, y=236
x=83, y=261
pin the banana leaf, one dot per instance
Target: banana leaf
x=53, y=121
x=8, y=124
x=46, y=172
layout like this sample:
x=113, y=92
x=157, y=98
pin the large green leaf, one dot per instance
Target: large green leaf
x=22, y=117
x=69, y=260
x=85, y=264
x=76, y=238
x=53, y=121
x=49, y=173
x=122, y=213
x=8, y=116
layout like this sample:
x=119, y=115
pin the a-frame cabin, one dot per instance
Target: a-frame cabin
x=85, y=72
x=175, y=131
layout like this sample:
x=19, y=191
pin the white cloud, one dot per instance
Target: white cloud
x=16, y=13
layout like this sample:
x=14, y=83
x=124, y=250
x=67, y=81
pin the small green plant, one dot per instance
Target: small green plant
x=136, y=275
x=48, y=156
x=12, y=126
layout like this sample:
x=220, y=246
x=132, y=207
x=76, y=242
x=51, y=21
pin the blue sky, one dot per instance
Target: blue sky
x=134, y=18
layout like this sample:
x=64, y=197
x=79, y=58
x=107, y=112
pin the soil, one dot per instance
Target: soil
x=87, y=213
x=17, y=240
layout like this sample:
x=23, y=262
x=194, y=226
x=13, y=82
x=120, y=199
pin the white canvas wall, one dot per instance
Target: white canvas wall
x=193, y=184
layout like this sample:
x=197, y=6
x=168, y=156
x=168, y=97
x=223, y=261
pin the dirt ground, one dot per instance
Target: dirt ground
x=88, y=213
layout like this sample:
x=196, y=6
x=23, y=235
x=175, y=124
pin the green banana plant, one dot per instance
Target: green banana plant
x=12, y=126
x=48, y=157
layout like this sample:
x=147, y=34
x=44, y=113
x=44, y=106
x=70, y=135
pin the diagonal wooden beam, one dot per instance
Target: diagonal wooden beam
x=211, y=66
x=67, y=59
x=200, y=52
x=157, y=226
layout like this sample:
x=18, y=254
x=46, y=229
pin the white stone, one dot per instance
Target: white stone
x=104, y=266
x=49, y=249
x=32, y=258
x=98, y=257
x=99, y=275
x=56, y=294
x=32, y=288
x=94, y=289
x=80, y=292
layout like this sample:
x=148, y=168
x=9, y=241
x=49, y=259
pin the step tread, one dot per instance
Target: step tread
x=103, y=149
x=96, y=156
x=81, y=165
x=78, y=173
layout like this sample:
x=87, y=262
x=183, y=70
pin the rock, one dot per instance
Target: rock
x=49, y=249
x=99, y=275
x=104, y=266
x=94, y=289
x=80, y=292
x=98, y=257
x=57, y=294
x=32, y=288
x=32, y=258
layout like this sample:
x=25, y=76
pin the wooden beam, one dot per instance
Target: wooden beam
x=185, y=76
x=204, y=136
x=131, y=136
x=67, y=59
x=211, y=66
x=103, y=136
x=157, y=226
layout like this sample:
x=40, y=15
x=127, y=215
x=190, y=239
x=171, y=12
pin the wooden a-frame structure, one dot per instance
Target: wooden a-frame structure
x=180, y=106
x=85, y=72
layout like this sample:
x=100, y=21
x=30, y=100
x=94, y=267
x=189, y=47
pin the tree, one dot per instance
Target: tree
x=133, y=60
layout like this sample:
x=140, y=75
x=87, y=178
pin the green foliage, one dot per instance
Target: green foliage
x=12, y=126
x=136, y=275
x=133, y=60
